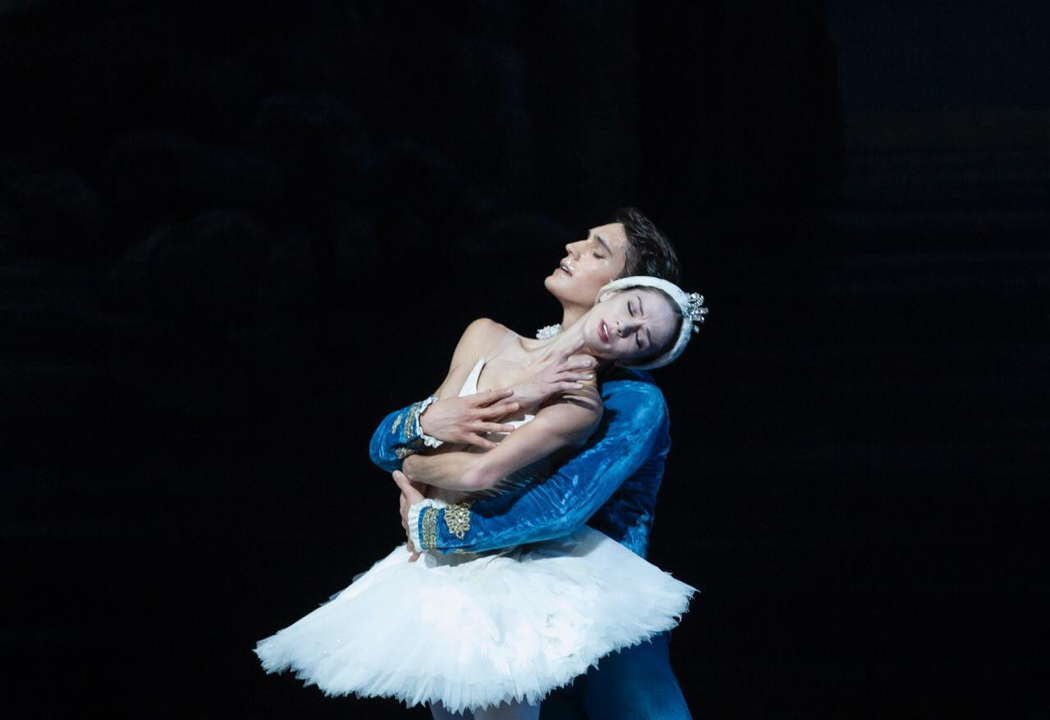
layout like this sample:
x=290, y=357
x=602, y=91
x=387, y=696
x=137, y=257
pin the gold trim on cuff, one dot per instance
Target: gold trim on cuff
x=409, y=428
x=457, y=518
x=429, y=523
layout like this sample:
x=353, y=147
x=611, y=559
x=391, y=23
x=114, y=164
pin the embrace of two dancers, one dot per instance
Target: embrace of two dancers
x=528, y=482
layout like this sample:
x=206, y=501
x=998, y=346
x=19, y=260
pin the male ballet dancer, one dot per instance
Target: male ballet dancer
x=610, y=484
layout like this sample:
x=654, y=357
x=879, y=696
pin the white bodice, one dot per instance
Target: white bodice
x=470, y=387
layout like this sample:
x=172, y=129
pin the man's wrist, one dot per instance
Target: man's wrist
x=422, y=524
x=409, y=465
x=428, y=440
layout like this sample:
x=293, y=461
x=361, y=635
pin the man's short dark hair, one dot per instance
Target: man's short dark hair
x=649, y=252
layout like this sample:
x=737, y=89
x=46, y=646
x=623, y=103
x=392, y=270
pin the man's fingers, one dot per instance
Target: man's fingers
x=491, y=396
x=493, y=428
x=412, y=495
x=401, y=481
x=504, y=408
x=478, y=441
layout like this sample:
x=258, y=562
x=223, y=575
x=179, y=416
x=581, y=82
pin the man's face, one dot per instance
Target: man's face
x=589, y=264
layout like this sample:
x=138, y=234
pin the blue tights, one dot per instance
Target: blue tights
x=636, y=684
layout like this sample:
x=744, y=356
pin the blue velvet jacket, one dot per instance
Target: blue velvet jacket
x=610, y=484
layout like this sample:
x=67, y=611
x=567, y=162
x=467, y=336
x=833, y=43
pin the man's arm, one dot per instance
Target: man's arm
x=398, y=436
x=465, y=420
x=566, y=423
x=458, y=420
x=634, y=423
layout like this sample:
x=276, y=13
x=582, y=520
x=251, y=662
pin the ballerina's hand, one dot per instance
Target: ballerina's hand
x=556, y=373
x=410, y=495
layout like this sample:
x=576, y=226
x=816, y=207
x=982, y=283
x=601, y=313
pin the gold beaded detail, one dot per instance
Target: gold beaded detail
x=457, y=518
x=408, y=422
x=430, y=518
x=411, y=420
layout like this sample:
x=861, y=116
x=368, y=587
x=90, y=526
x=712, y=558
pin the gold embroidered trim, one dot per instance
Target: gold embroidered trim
x=410, y=422
x=430, y=518
x=457, y=518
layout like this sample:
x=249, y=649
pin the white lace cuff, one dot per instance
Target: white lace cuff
x=428, y=441
x=429, y=510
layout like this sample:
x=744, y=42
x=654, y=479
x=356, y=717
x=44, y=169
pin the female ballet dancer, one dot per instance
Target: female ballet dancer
x=492, y=633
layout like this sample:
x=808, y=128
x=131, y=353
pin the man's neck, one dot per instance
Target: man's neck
x=570, y=314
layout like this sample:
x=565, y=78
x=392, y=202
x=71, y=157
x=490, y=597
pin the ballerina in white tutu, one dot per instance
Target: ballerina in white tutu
x=492, y=633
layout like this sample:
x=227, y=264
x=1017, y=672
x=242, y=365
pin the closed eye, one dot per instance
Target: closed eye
x=604, y=245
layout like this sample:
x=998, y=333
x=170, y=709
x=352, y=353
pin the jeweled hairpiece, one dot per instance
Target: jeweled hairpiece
x=695, y=309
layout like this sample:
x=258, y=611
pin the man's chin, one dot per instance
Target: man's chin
x=558, y=285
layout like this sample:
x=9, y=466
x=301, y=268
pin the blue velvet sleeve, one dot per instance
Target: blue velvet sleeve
x=634, y=423
x=396, y=438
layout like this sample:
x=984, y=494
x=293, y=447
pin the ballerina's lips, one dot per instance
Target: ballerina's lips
x=603, y=331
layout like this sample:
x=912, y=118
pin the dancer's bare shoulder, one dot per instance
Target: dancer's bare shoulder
x=479, y=337
x=482, y=334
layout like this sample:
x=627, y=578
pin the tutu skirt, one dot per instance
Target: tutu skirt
x=475, y=631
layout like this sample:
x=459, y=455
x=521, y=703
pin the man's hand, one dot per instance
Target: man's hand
x=410, y=495
x=462, y=420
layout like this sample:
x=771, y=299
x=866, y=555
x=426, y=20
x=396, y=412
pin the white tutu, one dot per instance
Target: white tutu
x=475, y=631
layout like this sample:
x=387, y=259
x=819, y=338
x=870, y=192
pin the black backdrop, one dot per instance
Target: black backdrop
x=233, y=237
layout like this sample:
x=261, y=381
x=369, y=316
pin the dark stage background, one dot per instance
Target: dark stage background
x=233, y=237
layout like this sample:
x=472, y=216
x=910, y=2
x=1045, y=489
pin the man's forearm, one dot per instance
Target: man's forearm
x=396, y=437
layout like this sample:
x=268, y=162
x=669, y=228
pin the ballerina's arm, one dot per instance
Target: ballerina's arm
x=633, y=435
x=465, y=420
x=565, y=423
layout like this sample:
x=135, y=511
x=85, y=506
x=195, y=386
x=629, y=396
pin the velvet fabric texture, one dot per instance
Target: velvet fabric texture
x=611, y=484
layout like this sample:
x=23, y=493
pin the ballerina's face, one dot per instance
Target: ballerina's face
x=630, y=326
x=589, y=265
